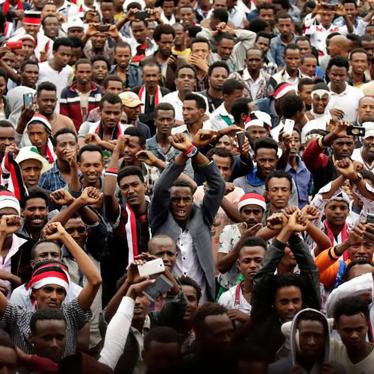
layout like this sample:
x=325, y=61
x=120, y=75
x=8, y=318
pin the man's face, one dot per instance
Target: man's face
x=359, y=62
x=107, y=12
x=308, y=66
x=185, y=81
x=336, y=212
x=366, y=109
x=151, y=76
x=114, y=87
x=224, y=48
x=49, y=339
x=46, y=101
x=31, y=170
x=351, y=10
x=28, y=47
x=192, y=302
x=62, y=56
x=217, y=334
x=251, y=214
x=164, y=248
x=76, y=32
x=180, y=36
x=288, y=301
x=65, y=143
x=30, y=75
x=279, y=192
x=133, y=190
x=49, y=9
x=362, y=250
x=295, y=143
x=201, y=50
x=122, y=57
x=224, y=166
x=35, y=213
x=250, y=261
x=3, y=84
x=51, y=26
x=46, y=251
x=256, y=132
x=311, y=340
x=187, y=16
x=230, y=98
x=254, y=60
x=292, y=59
x=191, y=114
x=353, y=331
x=98, y=40
x=225, y=142
x=181, y=203
x=220, y=4
x=304, y=47
x=91, y=166
x=326, y=17
x=306, y=94
x=38, y=135
x=338, y=77
x=49, y=296
x=75, y=55
x=168, y=8
x=343, y=147
x=319, y=103
x=78, y=230
x=159, y=356
x=110, y=114
x=263, y=44
x=164, y=121
x=83, y=73
x=7, y=137
x=368, y=146
x=164, y=44
x=141, y=309
x=32, y=29
x=99, y=70
x=10, y=59
x=368, y=45
x=217, y=77
x=266, y=160
x=285, y=27
x=132, y=147
x=267, y=15
x=139, y=31
x=132, y=113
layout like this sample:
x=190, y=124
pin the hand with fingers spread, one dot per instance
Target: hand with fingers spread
x=62, y=197
x=247, y=232
x=91, y=196
x=137, y=288
x=9, y=224
x=229, y=130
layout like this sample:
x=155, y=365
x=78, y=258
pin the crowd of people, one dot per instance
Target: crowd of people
x=187, y=186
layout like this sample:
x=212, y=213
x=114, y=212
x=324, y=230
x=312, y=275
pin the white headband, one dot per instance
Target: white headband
x=320, y=92
x=10, y=202
x=252, y=201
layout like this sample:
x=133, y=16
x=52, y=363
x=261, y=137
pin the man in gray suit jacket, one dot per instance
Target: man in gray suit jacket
x=172, y=212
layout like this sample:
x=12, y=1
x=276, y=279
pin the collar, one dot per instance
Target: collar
x=247, y=76
x=94, y=87
x=341, y=93
x=54, y=169
x=221, y=110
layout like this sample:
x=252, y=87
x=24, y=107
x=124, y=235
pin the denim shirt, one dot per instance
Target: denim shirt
x=276, y=51
x=153, y=146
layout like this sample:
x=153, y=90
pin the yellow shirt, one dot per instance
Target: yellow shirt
x=185, y=54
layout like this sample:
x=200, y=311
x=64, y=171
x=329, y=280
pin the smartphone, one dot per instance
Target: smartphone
x=241, y=137
x=157, y=289
x=142, y=15
x=151, y=267
x=28, y=99
x=288, y=126
x=356, y=130
x=103, y=28
x=14, y=45
x=370, y=218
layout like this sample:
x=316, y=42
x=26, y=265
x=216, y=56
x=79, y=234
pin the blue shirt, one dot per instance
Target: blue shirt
x=303, y=181
x=276, y=51
x=52, y=179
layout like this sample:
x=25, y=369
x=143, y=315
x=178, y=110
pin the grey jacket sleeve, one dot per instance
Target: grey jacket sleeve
x=159, y=208
x=214, y=195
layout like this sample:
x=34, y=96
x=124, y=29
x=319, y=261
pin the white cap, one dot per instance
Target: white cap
x=73, y=22
x=31, y=153
x=369, y=129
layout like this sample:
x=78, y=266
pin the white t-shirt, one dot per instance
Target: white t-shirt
x=234, y=299
x=338, y=353
x=60, y=78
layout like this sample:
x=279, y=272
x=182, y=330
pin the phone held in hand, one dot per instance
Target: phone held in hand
x=28, y=99
x=157, y=289
x=288, y=126
x=356, y=130
x=241, y=137
x=151, y=267
x=370, y=218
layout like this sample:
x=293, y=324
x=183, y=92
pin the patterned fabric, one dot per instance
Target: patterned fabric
x=52, y=180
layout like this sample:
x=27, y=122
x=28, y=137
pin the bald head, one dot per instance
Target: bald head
x=339, y=45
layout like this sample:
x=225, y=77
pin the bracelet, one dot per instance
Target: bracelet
x=112, y=170
x=191, y=152
x=357, y=179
